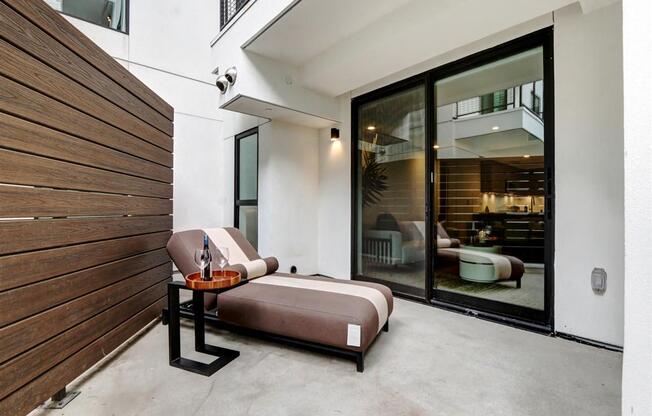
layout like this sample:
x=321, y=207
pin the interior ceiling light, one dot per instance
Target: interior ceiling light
x=371, y=128
x=526, y=156
x=494, y=128
x=436, y=147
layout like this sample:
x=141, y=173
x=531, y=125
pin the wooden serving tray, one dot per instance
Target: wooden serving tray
x=221, y=280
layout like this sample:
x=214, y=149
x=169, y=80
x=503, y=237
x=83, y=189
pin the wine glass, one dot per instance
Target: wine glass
x=202, y=260
x=223, y=260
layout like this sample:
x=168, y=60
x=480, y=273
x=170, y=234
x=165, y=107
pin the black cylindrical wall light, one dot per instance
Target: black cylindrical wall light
x=335, y=134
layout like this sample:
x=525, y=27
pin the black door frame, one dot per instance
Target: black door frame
x=397, y=87
x=511, y=314
x=237, y=202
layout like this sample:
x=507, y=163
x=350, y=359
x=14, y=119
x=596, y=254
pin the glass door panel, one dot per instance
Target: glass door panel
x=489, y=187
x=246, y=185
x=390, y=234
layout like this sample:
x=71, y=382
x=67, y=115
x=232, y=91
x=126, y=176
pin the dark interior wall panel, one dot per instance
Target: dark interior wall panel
x=85, y=204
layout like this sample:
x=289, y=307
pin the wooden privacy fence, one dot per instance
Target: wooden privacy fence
x=85, y=204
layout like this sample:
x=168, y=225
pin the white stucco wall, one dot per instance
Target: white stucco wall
x=304, y=215
x=259, y=77
x=167, y=48
x=637, y=360
x=288, y=195
x=335, y=198
x=589, y=172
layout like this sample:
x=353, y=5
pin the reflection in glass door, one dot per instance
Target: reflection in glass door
x=390, y=187
x=490, y=186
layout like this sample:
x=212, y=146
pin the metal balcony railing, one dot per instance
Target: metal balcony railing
x=228, y=10
x=515, y=97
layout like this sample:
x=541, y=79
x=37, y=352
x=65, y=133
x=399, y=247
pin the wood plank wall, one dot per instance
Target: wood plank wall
x=85, y=204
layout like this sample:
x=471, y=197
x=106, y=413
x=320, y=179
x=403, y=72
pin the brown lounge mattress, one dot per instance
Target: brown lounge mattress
x=340, y=313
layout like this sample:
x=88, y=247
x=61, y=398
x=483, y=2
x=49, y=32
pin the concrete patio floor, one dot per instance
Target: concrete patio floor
x=432, y=362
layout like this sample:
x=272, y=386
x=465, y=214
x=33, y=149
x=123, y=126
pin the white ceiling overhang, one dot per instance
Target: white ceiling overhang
x=340, y=45
x=259, y=108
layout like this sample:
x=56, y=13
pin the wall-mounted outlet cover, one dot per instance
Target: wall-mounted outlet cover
x=599, y=280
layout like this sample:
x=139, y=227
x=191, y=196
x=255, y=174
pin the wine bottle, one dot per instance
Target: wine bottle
x=206, y=256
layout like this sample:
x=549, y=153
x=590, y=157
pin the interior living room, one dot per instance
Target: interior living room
x=295, y=207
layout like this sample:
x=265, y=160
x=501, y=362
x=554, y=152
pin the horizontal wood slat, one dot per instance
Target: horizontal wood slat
x=24, y=169
x=22, y=68
x=25, y=334
x=68, y=35
x=32, y=267
x=43, y=387
x=19, y=236
x=85, y=203
x=20, y=31
x=22, y=135
x=27, y=300
x=19, y=100
x=39, y=202
x=48, y=354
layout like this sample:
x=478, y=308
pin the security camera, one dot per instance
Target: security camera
x=222, y=83
x=231, y=74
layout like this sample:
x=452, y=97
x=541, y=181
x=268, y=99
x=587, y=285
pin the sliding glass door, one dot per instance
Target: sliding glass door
x=490, y=186
x=453, y=185
x=390, y=233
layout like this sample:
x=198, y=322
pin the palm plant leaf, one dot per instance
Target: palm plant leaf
x=374, y=179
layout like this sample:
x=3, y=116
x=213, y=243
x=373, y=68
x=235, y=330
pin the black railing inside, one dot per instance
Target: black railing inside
x=520, y=96
x=228, y=10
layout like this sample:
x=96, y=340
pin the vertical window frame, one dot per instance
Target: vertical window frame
x=237, y=202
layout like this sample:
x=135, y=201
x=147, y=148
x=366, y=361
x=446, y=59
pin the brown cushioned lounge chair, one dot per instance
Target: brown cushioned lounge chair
x=339, y=316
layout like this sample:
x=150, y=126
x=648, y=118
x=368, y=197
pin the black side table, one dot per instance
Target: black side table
x=176, y=360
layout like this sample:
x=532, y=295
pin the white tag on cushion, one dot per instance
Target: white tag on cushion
x=353, y=335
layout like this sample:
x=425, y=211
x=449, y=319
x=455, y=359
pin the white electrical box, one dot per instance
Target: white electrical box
x=599, y=280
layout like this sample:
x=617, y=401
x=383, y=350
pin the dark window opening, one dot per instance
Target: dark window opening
x=112, y=14
x=228, y=10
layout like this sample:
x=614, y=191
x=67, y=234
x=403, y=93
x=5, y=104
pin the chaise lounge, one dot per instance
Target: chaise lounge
x=337, y=316
x=476, y=266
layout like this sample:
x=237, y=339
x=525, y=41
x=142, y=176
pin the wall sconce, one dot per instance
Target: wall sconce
x=335, y=134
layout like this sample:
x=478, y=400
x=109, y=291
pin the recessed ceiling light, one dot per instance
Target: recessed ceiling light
x=494, y=128
x=372, y=128
x=526, y=156
x=436, y=147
